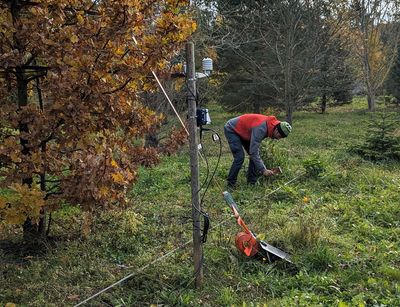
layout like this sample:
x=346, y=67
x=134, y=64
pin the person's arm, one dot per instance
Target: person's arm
x=258, y=133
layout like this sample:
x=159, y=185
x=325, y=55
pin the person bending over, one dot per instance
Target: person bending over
x=247, y=131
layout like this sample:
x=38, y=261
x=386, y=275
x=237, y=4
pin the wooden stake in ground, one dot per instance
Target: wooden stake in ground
x=194, y=163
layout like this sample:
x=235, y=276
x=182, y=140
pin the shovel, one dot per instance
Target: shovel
x=252, y=243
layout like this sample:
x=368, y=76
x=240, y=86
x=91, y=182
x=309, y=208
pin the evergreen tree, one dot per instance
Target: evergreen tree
x=242, y=58
x=243, y=89
x=271, y=51
x=335, y=78
x=380, y=142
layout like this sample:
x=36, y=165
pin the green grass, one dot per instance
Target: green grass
x=339, y=220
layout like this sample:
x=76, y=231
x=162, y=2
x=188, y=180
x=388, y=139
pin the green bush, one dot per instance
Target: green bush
x=273, y=155
x=314, y=166
x=380, y=141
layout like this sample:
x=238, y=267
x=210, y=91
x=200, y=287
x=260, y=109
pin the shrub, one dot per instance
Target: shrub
x=314, y=166
x=273, y=155
x=381, y=141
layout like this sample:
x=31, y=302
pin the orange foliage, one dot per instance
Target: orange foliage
x=79, y=139
x=23, y=202
x=175, y=140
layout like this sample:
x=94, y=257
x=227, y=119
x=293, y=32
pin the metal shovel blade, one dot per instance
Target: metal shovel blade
x=269, y=249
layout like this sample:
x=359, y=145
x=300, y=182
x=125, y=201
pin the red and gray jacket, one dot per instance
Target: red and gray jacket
x=253, y=128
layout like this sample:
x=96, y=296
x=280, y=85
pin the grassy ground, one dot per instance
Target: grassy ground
x=335, y=213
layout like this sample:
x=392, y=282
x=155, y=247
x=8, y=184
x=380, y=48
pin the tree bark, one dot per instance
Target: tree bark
x=323, y=104
x=257, y=107
x=31, y=231
x=371, y=102
x=289, y=112
x=42, y=231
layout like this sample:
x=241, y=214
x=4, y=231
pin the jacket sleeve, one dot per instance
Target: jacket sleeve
x=258, y=133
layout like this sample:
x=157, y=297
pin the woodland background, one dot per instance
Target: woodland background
x=94, y=166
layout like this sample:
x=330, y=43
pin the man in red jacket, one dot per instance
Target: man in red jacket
x=247, y=131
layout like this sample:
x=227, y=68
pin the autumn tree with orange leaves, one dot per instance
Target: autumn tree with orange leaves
x=71, y=74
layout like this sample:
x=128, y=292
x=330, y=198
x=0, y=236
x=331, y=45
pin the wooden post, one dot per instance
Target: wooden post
x=194, y=164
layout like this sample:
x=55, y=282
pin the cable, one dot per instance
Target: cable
x=165, y=93
x=285, y=184
x=166, y=255
x=170, y=102
x=134, y=273
x=205, y=229
x=207, y=174
x=216, y=166
x=205, y=215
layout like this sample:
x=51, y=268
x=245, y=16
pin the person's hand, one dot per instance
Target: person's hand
x=268, y=173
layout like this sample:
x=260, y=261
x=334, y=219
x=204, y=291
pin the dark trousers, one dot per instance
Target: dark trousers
x=236, y=145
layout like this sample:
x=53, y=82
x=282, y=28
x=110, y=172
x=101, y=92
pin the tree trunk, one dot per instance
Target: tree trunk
x=323, y=104
x=42, y=231
x=289, y=113
x=31, y=231
x=371, y=102
x=151, y=140
x=366, y=56
x=257, y=106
